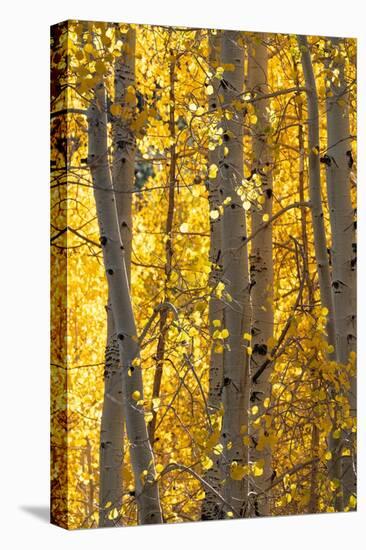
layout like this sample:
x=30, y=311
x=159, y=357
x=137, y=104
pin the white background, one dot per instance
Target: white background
x=24, y=272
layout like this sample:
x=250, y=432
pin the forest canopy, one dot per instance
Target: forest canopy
x=203, y=264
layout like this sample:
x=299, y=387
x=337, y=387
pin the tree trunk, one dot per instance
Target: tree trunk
x=261, y=273
x=112, y=422
x=343, y=247
x=163, y=321
x=320, y=243
x=142, y=458
x=235, y=298
x=211, y=507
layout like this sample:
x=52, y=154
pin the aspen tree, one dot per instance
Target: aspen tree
x=142, y=458
x=112, y=422
x=338, y=161
x=235, y=276
x=261, y=268
x=211, y=506
x=320, y=243
x=163, y=320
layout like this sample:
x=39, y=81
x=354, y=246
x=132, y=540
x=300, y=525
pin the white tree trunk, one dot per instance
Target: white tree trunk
x=261, y=272
x=235, y=274
x=320, y=243
x=343, y=253
x=142, y=458
x=112, y=422
x=111, y=451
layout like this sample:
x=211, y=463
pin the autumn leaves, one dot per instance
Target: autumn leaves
x=228, y=386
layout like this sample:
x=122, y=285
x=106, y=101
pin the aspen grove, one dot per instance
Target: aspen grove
x=203, y=264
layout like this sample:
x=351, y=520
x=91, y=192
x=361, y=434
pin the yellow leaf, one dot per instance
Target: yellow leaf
x=237, y=471
x=257, y=470
x=216, y=323
x=352, y=501
x=212, y=171
x=89, y=48
x=155, y=403
x=265, y=217
x=184, y=228
x=209, y=90
x=136, y=395
x=218, y=449
x=113, y=514
x=148, y=417
x=224, y=333
x=206, y=463
x=100, y=67
x=214, y=214
x=255, y=409
x=247, y=336
x=266, y=402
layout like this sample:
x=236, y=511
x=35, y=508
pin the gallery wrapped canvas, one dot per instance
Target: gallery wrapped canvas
x=203, y=258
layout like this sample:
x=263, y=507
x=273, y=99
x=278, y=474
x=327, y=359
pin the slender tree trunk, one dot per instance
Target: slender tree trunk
x=261, y=274
x=111, y=431
x=163, y=325
x=315, y=436
x=112, y=422
x=236, y=297
x=343, y=248
x=211, y=507
x=142, y=458
x=320, y=243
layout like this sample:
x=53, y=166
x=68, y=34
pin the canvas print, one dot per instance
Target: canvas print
x=203, y=264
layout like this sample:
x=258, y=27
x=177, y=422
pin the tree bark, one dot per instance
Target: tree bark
x=261, y=273
x=236, y=299
x=211, y=507
x=343, y=246
x=112, y=422
x=320, y=243
x=142, y=458
x=163, y=320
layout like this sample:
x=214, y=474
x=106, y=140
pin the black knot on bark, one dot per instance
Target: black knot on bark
x=110, y=271
x=261, y=349
x=120, y=336
x=103, y=240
